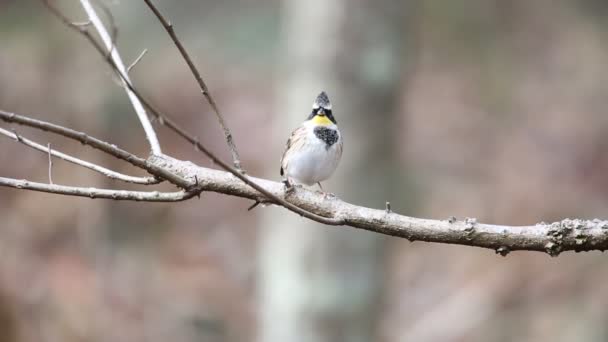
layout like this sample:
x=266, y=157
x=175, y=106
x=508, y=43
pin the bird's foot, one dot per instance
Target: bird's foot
x=290, y=188
x=329, y=195
x=326, y=195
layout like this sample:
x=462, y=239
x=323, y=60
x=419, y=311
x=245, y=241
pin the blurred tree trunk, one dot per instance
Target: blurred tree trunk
x=321, y=283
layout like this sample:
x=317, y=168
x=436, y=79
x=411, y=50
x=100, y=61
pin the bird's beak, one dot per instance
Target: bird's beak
x=321, y=112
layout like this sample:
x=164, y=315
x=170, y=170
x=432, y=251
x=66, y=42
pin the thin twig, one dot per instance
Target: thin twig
x=141, y=55
x=97, y=168
x=145, y=196
x=202, y=85
x=117, y=61
x=84, y=23
x=255, y=204
x=50, y=163
x=113, y=27
x=98, y=144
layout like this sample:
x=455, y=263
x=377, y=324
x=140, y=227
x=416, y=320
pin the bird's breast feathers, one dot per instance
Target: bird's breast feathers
x=327, y=135
x=312, y=152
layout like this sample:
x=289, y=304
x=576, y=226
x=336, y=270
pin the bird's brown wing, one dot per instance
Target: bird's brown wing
x=294, y=144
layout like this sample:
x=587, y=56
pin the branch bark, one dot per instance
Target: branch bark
x=551, y=238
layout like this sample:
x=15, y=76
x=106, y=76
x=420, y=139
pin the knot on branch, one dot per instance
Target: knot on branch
x=553, y=248
x=469, y=227
x=503, y=250
x=576, y=229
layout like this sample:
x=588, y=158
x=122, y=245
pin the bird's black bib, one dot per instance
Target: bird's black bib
x=328, y=135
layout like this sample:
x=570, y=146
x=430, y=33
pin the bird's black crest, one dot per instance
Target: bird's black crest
x=322, y=101
x=323, y=106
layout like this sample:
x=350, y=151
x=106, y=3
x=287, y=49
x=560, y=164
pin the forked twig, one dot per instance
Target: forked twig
x=119, y=65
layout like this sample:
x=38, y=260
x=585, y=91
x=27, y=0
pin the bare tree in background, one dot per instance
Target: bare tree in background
x=304, y=279
x=301, y=278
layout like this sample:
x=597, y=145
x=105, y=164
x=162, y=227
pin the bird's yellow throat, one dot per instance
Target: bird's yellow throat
x=322, y=120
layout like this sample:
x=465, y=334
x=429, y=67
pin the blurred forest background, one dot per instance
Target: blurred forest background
x=475, y=108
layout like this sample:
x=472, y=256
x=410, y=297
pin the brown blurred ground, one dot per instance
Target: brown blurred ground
x=501, y=113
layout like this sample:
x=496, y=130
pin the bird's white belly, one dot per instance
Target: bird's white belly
x=315, y=164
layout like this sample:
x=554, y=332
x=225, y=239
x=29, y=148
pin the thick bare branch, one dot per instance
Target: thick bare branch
x=115, y=56
x=201, y=83
x=552, y=238
x=121, y=195
x=91, y=166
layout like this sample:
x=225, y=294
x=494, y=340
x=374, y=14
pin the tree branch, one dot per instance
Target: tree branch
x=103, y=146
x=91, y=166
x=201, y=83
x=115, y=56
x=551, y=238
x=120, y=195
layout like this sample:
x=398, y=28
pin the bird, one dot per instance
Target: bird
x=314, y=149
